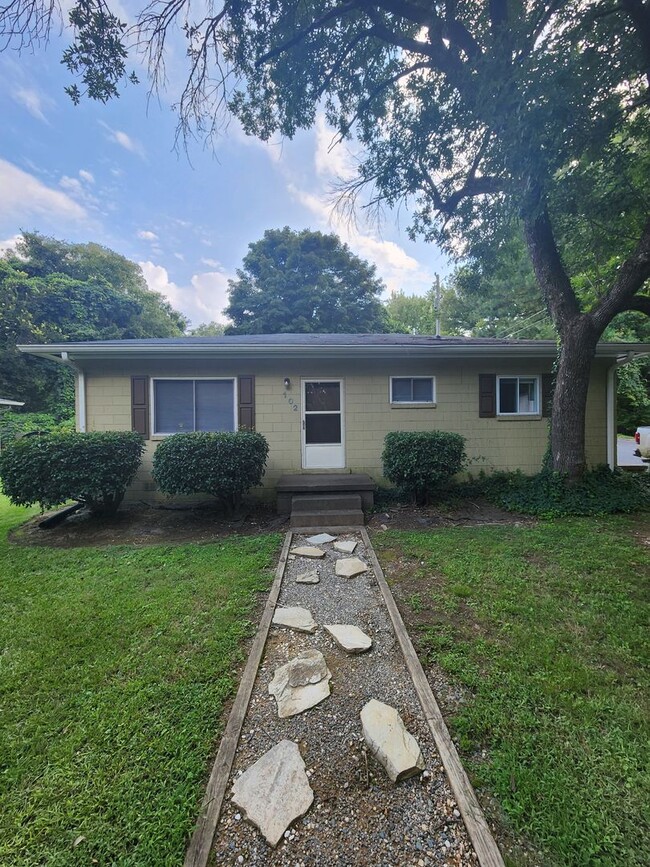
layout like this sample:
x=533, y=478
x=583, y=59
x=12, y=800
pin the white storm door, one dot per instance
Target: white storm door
x=323, y=425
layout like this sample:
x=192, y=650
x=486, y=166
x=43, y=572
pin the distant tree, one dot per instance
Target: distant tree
x=52, y=291
x=304, y=282
x=495, y=294
x=411, y=314
x=208, y=329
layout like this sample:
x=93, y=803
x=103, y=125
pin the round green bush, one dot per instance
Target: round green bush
x=93, y=468
x=419, y=462
x=223, y=465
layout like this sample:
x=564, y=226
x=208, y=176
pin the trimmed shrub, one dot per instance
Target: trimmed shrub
x=93, y=468
x=417, y=463
x=223, y=465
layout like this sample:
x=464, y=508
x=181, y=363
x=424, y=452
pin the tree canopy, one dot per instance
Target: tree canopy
x=52, y=291
x=475, y=113
x=304, y=282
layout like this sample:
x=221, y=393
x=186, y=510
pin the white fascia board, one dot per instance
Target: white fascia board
x=80, y=352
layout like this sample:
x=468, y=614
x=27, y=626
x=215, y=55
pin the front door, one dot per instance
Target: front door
x=323, y=425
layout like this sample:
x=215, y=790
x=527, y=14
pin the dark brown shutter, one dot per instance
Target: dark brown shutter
x=547, y=394
x=140, y=405
x=246, y=403
x=487, y=395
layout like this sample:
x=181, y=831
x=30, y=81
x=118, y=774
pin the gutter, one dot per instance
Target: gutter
x=69, y=352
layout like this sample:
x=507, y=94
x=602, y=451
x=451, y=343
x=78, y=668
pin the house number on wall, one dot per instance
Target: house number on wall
x=292, y=403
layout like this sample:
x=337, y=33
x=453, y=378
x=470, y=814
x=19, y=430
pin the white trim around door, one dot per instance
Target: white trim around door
x=323, y=424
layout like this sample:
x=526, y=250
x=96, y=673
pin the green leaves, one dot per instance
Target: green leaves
x=304, y=282
x=49, y=469
x=419, y=462
x=224, y=465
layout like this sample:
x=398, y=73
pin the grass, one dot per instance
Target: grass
x=115, y=664
x=546, y=627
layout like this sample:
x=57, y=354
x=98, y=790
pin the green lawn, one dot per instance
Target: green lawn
x=547, y=627
x=115, y=664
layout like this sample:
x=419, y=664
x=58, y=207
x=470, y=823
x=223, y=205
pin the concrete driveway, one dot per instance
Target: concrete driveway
x=625, y=453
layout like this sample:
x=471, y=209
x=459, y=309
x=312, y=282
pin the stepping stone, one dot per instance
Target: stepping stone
x=296, y=618
x=301, y=683
x=308, y=578
x=274, y=791
x=306, y=551
x=348, y=567
x=321, y=539
x=346, y=547
x=349, y=638
x=389, y=741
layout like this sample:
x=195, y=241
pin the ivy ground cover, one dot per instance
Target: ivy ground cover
x=115, y=664
x=542, y=629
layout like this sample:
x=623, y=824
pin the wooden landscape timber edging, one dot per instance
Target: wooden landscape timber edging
x=478, y=829
x=198, y=851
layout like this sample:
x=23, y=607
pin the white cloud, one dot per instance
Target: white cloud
x=211, y=263
x=146, y=235
x=88, y=177
x=333, y=159
x=202, y=301
x=33, y=101
x=23, y=195
x=395, y=267
x=124, y=140
x=9, y=243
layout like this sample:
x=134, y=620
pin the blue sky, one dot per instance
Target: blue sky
x=110, y=174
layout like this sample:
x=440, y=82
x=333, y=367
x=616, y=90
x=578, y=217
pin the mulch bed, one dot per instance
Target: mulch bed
x=144, y=525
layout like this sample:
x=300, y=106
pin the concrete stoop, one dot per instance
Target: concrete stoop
x=326, y=510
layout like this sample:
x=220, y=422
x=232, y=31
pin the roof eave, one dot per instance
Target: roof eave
x=80, y=352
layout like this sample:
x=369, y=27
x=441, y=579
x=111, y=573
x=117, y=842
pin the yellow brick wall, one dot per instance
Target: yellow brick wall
x=492, y=444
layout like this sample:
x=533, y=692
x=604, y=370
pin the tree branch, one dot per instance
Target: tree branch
x=550, y=271
x=639, y=304
x=331, y=15
x=630, y=279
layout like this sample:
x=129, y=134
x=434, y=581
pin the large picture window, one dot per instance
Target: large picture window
x=186, y=405
x=518, y=395
x=412, y=389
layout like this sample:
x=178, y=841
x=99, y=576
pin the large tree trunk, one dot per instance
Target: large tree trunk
x=578, y=339
x=570, y=397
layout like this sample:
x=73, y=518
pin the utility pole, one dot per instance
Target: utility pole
x=436, y=305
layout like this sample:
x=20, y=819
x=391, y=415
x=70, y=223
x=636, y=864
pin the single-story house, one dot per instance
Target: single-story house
x=325, y=402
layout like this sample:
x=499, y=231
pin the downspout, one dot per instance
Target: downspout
x=80, y=390
x=611, y=416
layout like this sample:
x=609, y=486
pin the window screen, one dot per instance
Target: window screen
x=518, y=395
x=182, y=405
x=411, y=389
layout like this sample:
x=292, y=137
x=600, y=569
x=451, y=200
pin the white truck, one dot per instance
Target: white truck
x=642, y=439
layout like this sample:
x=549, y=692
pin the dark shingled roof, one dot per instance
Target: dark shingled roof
x=321, y=340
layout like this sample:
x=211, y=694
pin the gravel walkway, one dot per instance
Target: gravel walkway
x=358, y=816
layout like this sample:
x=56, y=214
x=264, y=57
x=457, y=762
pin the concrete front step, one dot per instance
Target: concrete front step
x=325, y=502
x=326, y=518
x=322, y=484
x=326, y=510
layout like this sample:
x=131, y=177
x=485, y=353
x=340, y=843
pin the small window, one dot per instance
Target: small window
x=412, y=389
x=518, y=395
x=187, y=405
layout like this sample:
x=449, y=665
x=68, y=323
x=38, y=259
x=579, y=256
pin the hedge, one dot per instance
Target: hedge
x=222, y=465
x=49, y=469
x=418, y=462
